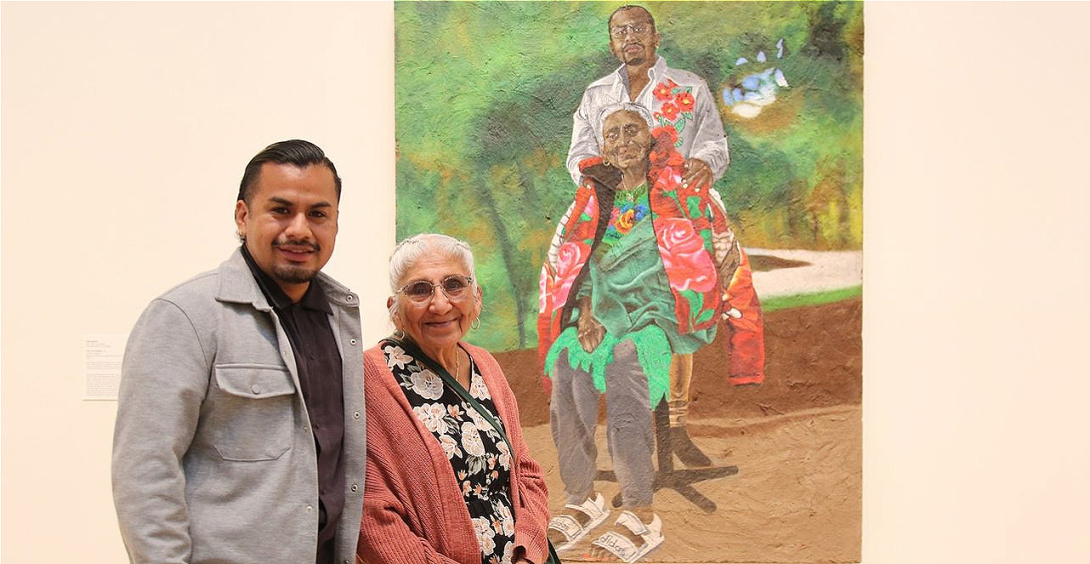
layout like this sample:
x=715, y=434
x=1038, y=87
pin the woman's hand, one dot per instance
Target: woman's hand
x=589, y=331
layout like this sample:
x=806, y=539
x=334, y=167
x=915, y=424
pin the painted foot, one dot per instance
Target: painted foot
x=628, y=540
x=569, y=525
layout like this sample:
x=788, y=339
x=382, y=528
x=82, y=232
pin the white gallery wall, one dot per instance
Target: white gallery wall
x=124, y=128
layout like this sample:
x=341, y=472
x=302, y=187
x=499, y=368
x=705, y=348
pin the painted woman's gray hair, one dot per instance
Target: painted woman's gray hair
x=412, y=249
x=616, y=107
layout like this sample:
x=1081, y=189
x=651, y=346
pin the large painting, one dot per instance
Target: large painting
x=665, y=203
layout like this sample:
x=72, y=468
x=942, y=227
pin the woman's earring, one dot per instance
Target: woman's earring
x=476, y=323
x=399, y=334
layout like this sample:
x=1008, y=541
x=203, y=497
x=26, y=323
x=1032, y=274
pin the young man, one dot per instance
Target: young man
x=240, y=423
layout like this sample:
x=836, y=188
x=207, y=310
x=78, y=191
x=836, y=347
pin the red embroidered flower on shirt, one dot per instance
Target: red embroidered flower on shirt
x=669, y=110
x=685, y=101
x=665, y=90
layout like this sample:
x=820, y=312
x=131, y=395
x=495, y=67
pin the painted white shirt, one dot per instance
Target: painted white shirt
x=701, y=136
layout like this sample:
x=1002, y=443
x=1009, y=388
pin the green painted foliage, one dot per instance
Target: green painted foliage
x=485, y=94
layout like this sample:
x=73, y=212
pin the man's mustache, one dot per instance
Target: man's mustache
x=314, y=247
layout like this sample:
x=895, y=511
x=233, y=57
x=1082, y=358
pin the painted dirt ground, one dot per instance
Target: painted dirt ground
x=796, y=439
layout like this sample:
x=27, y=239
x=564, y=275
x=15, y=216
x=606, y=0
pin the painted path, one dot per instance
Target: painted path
x=797, y=272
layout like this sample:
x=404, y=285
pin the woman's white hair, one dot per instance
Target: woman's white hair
x=410, y=250
x=611, y=109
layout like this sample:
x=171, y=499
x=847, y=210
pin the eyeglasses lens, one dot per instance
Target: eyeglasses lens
x=621, y=30
x=419, y=291
x=453, y=286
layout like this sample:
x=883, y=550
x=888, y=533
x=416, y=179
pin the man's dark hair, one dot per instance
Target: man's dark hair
x=294, y=152
x=609, y=22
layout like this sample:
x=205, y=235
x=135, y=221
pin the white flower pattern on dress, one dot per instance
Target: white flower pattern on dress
x=507, y=521
x=450, y=446
x=505, y=455
x=396, y=357
x=478, y=390
x=427, y=384
x=471, y=440
x=485, y=535
x=480, y=422
x=432, y=416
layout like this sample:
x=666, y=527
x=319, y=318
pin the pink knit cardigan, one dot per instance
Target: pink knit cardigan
x=413, y=510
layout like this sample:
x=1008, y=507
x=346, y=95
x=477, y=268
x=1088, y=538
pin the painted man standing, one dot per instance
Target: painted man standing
x=682, y=100
x=240, y=423
x=675, y=97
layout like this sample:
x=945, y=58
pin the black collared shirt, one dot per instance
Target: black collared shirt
x=320, y=376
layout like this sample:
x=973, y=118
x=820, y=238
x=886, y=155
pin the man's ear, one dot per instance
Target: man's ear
x=242, y=214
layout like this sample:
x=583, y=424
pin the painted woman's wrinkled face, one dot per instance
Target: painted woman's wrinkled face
x=626, y=139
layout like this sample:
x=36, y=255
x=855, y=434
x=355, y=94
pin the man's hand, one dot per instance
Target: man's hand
x=697, y=173
x=589, y=331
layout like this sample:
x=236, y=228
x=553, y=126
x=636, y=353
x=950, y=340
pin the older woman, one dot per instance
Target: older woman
x=449, y=477
x=642, y=268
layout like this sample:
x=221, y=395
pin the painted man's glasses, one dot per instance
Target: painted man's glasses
x=455, y=288
x=640, y=29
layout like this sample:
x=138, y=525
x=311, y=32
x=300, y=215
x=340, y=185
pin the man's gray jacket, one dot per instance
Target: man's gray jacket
x=214, y=459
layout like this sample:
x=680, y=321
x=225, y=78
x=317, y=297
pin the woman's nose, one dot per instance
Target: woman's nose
x=439, y=301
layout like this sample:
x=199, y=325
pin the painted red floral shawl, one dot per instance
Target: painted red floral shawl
x=683, y=219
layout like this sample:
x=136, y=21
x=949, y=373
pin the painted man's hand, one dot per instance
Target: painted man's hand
x=697, y=173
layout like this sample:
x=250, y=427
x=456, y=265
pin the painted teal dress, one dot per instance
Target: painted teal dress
x=631, y=298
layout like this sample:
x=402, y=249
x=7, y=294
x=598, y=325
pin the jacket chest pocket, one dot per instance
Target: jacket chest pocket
x=253, y=416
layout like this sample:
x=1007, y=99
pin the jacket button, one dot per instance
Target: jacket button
x=310, y=508
x=353, y=341
x=355, y=488
x=349, y=297
x=356, y=415
x=256, y=389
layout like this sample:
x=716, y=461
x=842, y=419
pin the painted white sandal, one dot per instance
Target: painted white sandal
x=596, y=512
x=622, y=547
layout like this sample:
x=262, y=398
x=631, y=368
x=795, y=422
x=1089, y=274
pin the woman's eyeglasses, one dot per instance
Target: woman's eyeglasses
x=455, y=288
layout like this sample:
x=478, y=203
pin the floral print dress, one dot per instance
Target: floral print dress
x=478, y=455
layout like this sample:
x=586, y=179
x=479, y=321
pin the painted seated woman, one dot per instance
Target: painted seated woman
x=449, y=476
x=638, y=272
